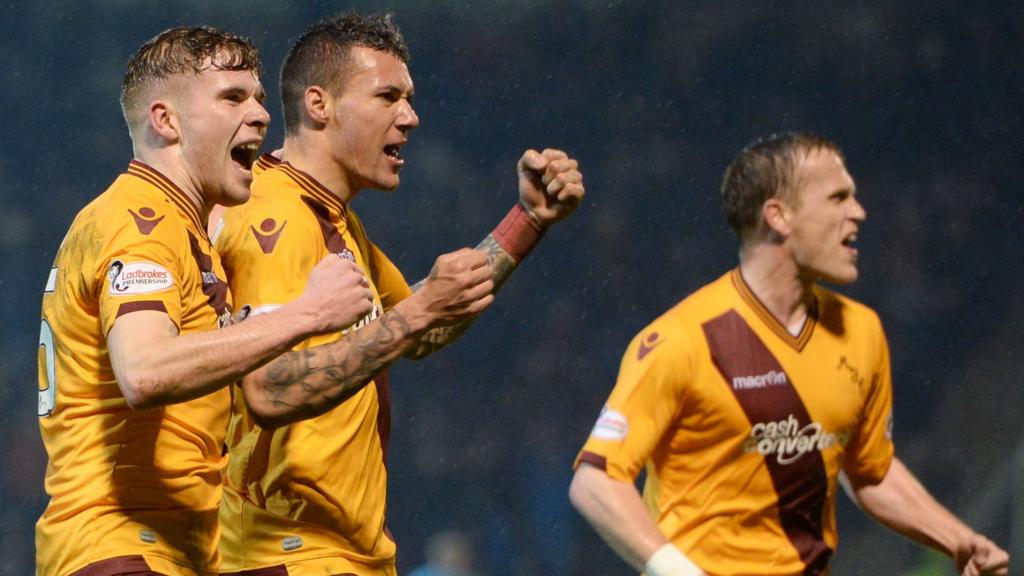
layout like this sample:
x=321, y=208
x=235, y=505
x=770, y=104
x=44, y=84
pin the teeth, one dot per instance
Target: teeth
x=249, y=146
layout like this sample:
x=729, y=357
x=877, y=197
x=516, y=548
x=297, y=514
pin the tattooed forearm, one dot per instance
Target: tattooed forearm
x=306, y=383
x=502, y=265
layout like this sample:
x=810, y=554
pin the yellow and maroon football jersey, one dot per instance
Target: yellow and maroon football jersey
x=310, y=495
x=126, y=482
x=744, y=428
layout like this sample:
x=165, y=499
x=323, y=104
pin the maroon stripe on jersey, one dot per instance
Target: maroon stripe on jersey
x=800, y=481
x=383, y=412
x=214, y=287
x=129, y=307
x=266, y=161
x=119, y=566
x=595, y=460
x=333, y=239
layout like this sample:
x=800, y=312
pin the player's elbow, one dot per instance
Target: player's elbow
x=269, y=419
x=140, y=388
x=581, y=489
x=270, y=412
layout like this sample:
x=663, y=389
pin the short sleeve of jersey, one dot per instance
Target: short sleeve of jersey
x=871, y=449
x=387, y=278
x=647, y=399
x=140, y=272
x=390, y=283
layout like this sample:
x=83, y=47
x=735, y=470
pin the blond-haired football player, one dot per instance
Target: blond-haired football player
x=133, y=407
x=308, y=497
x=749, y=400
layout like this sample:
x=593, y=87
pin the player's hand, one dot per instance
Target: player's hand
x=550, y=185
x=459, y=286
x=979, y=556
x=337, y=293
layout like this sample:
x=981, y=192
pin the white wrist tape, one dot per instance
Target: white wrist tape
x=669, y=561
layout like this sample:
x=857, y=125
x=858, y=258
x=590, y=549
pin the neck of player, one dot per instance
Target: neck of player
x=773, y=276
x=311, y=158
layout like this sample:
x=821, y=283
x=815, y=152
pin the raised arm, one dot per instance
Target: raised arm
x=900, y=502
x=155, y=365
x=304, y=384
x=550, y=189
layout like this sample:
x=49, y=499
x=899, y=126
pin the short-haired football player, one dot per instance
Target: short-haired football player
x=750, y=401
x=306, y=483
x=133, y=403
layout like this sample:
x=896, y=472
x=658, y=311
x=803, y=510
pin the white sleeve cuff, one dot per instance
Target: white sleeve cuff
x=669, y=561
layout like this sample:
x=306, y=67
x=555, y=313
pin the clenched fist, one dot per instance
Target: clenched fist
x=459, y=286
x=338, y=293
x=550, y=185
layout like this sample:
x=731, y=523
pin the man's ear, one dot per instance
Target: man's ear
x=777, y=214
x=163, y=121
x=319, y=104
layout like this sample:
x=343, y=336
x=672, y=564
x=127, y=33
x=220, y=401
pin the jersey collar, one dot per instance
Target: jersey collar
x=308, y=183
x=796, y=342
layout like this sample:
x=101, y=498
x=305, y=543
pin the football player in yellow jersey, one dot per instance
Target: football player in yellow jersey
x=133, y=404
x=756, y=396
x=308, y=497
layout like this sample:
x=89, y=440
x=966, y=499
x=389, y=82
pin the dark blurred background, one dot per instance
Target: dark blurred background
x=654, y=99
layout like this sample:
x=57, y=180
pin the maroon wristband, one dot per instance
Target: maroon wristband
x=518, y=233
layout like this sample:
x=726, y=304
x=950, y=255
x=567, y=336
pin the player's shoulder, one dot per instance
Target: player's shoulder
x=834, y=307
x=684, y=318
x=266, y=212
x=131, y=208
x=705, y=303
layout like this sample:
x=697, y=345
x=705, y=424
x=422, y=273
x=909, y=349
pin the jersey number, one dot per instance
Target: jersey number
x=48, y=395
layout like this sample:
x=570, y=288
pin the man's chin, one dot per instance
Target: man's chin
x=841, y=278
x=389, y=185
x=234, y=197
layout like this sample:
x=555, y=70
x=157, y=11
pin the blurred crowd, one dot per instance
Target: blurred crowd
x=654, y=98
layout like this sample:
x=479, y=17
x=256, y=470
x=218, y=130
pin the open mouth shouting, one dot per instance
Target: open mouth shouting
x=244, y=155
x=393, y=151
x=850, y=241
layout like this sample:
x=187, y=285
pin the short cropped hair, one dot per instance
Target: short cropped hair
x=765, y=169
x=321, y=57
x=186, y=51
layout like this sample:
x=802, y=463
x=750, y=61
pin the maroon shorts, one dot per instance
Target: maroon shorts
x=278, y=570
x=119, y=566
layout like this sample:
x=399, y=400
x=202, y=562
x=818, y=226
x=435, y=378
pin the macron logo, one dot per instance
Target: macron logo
x=771, y=378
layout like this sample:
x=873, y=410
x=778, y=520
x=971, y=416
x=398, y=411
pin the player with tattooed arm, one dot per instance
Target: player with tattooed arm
x=306, y=483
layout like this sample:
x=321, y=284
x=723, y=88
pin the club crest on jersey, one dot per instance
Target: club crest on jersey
x=138, y=278
x=145, y=219
x=611, y=425
x=347, y=254
x=788, y=440
x=266, y=236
